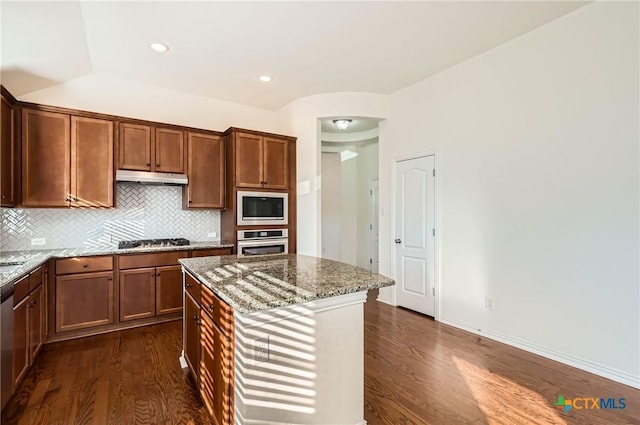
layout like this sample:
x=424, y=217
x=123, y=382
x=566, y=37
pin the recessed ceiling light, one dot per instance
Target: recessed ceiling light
x=159, y=47
x=265, y=78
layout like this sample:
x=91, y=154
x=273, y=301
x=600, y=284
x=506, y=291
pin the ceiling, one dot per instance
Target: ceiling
x=218, y=49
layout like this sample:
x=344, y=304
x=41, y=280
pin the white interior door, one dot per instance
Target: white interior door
x=373, y=225
x=415, y=234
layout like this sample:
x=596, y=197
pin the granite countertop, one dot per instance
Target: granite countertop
x=14, y=264
x=250, y=284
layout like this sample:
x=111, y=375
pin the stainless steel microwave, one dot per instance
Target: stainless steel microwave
x=262, y=208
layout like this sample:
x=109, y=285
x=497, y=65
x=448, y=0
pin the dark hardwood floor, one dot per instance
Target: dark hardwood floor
x=416, y=372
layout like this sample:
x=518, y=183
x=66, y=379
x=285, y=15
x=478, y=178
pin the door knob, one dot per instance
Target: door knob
x=398, y=240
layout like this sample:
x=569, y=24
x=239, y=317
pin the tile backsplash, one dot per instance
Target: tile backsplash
x=143, y=212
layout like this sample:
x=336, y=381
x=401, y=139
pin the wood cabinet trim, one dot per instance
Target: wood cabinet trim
x=84, y=264
x=136, y=261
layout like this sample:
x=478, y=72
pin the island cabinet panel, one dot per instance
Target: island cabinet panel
x=206, y=171
x=168, y=290
x=91, y=162
x=169, y=150
x=215, y=376
x=46, y=163
x=84, y=300
x=208, y=348
x=135, y=144
x=8, y=154
x=137, y=294
x=191, y=333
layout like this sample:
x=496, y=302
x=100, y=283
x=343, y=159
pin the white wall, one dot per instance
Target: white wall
x=539, y=188
x=300, y=118
x=367, y=162
x=348, y=212
x=331, y=210
x=109, y=95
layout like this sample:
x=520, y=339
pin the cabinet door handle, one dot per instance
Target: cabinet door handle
x=4, y=196
x=157, y=164
x=187, y=285
x=34, y=302
x=85, y=265
x=210, y=307
x=148, y=164
x=109, y=278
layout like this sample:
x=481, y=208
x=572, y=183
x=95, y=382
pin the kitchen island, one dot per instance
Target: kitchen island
x=277, y=339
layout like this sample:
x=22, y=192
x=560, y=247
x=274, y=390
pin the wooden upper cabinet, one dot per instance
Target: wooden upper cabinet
x=261, y=162
x=7, y=155
x=46, y=164
x=135, y=147
x=146, y=148
x=205, y=153
x=249, y=160
x=276, y=163
x=169, y=156
x=91, y=162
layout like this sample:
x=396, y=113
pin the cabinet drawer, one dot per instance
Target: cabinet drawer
x=220, y=312
x=84, y=264
x=192, y=286
x=36, y=278
x=211, y=252
x=20, y=290
x=136, y=261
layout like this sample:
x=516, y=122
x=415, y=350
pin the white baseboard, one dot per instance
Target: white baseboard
x=595, y=368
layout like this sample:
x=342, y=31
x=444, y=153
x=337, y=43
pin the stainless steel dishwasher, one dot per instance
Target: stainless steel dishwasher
x=6, y=349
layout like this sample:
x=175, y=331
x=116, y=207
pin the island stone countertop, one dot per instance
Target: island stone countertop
x=14, y=264
x=250, y=284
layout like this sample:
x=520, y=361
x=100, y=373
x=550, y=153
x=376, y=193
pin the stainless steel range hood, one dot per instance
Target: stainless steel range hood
x=147, y=177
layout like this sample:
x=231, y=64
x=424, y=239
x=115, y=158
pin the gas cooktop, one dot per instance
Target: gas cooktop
x=146, y=243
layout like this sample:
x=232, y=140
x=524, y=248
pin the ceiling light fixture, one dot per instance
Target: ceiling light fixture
x=342, y=124
x=265, y=78
x=159, y=47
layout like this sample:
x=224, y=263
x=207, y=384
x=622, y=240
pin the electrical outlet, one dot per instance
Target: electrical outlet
x=489, y=303
x=212, y=234
x=38, y=241
x=261, y=350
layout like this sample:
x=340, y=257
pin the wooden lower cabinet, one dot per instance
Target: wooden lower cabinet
x=28, y=330
x=208, y=349
x=84, y=300
x=20, y=340
x=191, y=332
x=36, y=312
x=215, y=375
x=168, y=290
x=137, y=294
